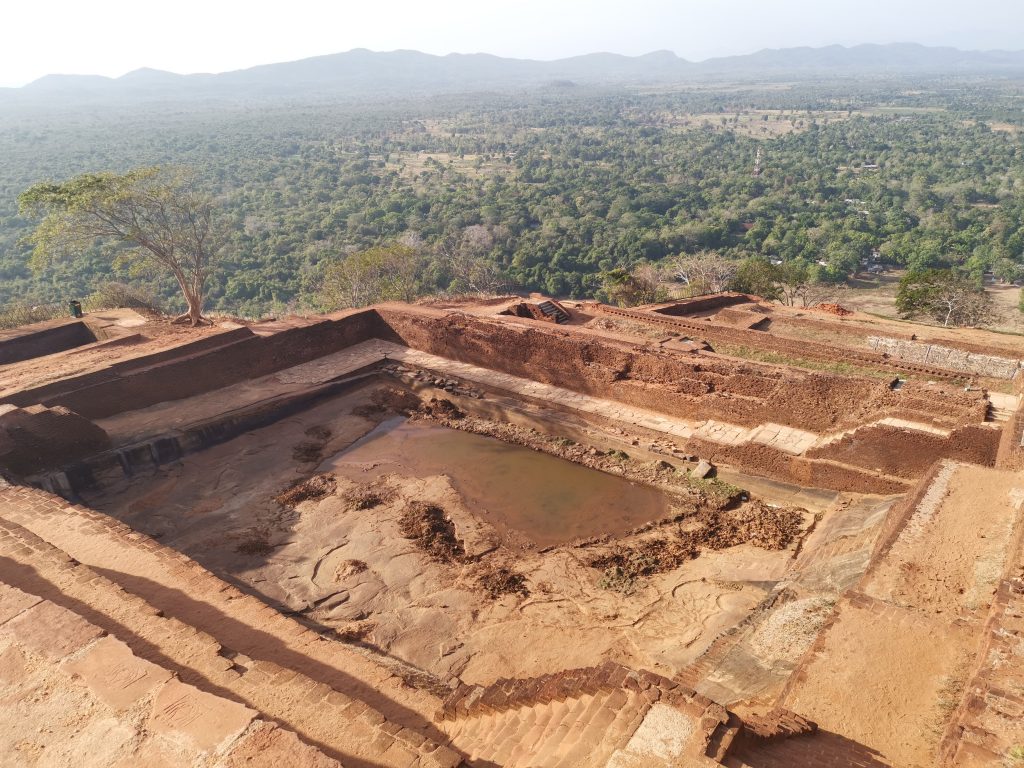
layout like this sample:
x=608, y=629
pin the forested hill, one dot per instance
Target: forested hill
x=554, y=185
x=362, y=72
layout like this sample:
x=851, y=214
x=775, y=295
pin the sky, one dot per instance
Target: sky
x=112, y=37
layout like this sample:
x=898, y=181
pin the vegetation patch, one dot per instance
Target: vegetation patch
x=500, y=580
x=433, y=532
x=755, y=523
x=307, y=452
x=254, y=547
x=311, y=489
x=354, y=632
x=368, y=495
x=442, y=408
x=319, y=432
x=349, y=568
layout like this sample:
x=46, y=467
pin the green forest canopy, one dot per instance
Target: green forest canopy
x=555, y=187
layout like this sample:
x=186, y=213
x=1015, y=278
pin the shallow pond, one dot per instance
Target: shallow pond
x=546, y=499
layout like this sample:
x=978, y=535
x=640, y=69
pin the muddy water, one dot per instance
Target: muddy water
x=545, y=499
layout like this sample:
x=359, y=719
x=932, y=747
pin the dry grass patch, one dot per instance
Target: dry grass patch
x=254, y=547
x=311, y=489
x=433, y=532
x=499, y=580
x=368, y=495
x=755, y=523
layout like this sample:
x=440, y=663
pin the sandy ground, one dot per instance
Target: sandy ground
x=952, y=552
x=883, y=681
x=878, y=297
x=907, y=643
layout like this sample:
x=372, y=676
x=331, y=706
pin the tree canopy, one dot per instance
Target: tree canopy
x=945, y=296
x=384, y=273
x=551, y=189
x=154, y=215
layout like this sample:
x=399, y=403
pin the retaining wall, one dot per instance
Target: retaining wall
x=703, y=304
x=946, y=357
x=185, y=372
x=14, y=349
x=760, y=340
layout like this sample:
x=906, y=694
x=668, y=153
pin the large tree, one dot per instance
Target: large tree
x=160, y=214
x=704, y=272
x=946, y=296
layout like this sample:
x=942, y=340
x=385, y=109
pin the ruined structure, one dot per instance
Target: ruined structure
x=512, y=533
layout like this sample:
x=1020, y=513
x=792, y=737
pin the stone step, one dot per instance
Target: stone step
x=139, y=706
x=175, y=584
x=547, y=751
x=722, y=739
x=299, y=702
x=569, y=719
x=603, y=731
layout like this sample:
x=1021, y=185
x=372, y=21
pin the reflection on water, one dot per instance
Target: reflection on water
x=547, y=499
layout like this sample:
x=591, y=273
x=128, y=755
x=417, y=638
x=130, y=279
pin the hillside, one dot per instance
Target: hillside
x=362, y=72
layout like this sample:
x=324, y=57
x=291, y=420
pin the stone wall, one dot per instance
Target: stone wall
x=946, y=357
x=192, y=370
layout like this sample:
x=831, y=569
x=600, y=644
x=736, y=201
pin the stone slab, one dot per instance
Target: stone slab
x=13, y=602
x=153, y=754
x=13, y=666
x=51, y=631
x=116, y=675
x=268, y=746
x=663, y=735
x=702, y=470
x=205, y=720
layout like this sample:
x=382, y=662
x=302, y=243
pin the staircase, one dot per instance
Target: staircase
x=583, y=730
x=608, y=715
x=1001, y=407
x=172, y=612
x=553, y=311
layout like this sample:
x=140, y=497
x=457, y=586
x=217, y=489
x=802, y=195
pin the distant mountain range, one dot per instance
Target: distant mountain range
x=362, y=72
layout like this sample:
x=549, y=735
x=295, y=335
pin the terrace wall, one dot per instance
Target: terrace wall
x=946, y=357
x=192, y=370
x=704, y=304
x=14, y=349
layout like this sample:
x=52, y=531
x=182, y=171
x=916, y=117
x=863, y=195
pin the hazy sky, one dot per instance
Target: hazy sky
x=111, y=37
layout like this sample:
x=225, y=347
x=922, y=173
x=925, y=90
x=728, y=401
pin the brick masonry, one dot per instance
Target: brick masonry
x=200, y=727
x=338, y=719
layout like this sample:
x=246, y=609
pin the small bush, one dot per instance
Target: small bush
x=254, y=548
x=428, y=525
x=122, y=296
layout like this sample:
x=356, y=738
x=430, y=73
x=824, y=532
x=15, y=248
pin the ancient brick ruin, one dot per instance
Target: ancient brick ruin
x=512, y=533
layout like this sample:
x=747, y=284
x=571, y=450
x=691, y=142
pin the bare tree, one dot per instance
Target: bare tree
x=160, y=214
x=704, y=272
x=946, y=296
x=465, y=254
x=822, y=293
